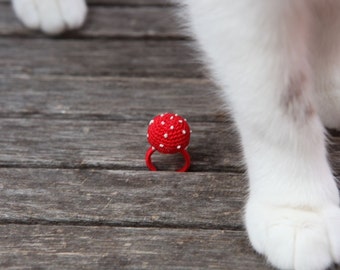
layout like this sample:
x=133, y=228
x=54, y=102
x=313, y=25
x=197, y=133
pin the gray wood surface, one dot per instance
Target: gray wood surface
x=49, y=106
x=84, y=247
x=110, y=98
x=123, y=2
x=151, y=22
x=98, y=58
x=122, y=198
x=132, y=2
x=107, y=144
x=74, y=109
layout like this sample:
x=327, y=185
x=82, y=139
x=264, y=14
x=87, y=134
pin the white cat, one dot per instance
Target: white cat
x=278, y=64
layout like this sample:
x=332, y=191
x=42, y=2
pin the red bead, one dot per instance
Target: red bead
x=169, y=133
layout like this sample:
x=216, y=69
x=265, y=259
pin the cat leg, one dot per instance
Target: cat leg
x=258, y=53
x=51, y=16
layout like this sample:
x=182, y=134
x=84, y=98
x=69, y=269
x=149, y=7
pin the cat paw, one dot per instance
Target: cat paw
x=295, y=238
x=51, y=16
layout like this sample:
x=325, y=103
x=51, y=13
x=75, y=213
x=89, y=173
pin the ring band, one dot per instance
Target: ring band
x=152, y=167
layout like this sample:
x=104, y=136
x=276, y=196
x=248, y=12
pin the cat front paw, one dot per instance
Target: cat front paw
x=295, y=238
x=51, y=16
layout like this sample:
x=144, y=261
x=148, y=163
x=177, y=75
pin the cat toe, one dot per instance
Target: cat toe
x=27, y=13
x=51, y=16
x=295, y=238
x=332, y=219
x=74, y=13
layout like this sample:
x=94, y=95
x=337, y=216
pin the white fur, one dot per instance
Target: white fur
x=51, y=16
x=280, y=81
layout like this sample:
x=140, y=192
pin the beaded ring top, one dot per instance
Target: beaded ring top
x=168, y=133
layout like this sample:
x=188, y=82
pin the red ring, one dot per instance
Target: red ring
x=152, y=167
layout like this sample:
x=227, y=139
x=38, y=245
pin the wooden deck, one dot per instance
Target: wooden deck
x=75, y=192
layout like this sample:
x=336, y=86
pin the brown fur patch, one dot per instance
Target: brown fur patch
x=296, y=101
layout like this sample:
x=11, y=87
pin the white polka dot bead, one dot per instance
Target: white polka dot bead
x=168, y=133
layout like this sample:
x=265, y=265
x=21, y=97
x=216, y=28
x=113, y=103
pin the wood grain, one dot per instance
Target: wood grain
x=73, y=247
x=133, y=2
x=74, y=189
x=59, y=143
x=149, y=22
x=133, y=58
x=123, y=2
x=108, y=98
x=108, y=144
x=122, y=198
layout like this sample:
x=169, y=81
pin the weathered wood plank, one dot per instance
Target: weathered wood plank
x=147, y=22
x=98, y=57
x=71, y=247
x=117, y=145
x=122, y=198
x=108, y=144
x=133, y=2
x=109, y=22
x=122, y=2
x=108, y=98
